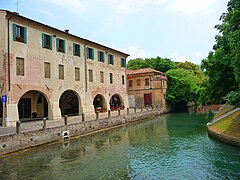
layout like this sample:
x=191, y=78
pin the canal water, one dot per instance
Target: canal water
x=172, y=146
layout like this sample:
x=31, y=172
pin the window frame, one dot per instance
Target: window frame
x=76, y=50
x=19, y=33
x=45, y=74
x=101, y=77
x=101, y=56
x=77, y=73
x=130, y=83
x=90, y=75
x=44, y=41
x=147, y=80
x=138, y=82
x=123, y=80
x=59, y=71
x=123, y=62
x=18, y=73
x=90, y=53
x=111, y=78
x=111, y=59
x=60, y=42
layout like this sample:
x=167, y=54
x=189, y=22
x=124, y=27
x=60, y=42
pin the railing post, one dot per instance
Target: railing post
x=97, y=115
x=65, y=120
x=109, y=113
x=18, y=127
x=83, y=118
x=135, y=109
x=141, y=109
x=44, y=123
x=127, y=110
x=119, y=112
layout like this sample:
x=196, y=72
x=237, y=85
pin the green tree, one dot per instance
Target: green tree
x=137, y=64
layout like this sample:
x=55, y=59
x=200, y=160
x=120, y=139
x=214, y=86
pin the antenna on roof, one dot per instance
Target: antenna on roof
x=17, y=3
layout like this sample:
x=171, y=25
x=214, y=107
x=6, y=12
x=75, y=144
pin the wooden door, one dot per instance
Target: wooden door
x=24, y=108
x=148, y=99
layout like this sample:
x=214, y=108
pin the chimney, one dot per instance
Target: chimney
x=66, y=30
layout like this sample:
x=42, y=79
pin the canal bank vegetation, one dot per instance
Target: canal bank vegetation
x=217, y=79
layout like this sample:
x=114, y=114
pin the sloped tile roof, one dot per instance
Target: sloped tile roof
x=143, y=71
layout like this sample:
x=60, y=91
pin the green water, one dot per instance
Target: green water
x=173, y=146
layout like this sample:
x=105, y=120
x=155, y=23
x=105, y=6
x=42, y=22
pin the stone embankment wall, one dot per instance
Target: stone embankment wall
x=15, y=142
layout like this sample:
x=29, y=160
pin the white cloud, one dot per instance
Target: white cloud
x=46, y=12
x=177, y=58
x=133, y=51
x=75, y=6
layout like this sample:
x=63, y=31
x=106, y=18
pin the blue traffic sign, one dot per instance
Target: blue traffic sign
x=4, y=98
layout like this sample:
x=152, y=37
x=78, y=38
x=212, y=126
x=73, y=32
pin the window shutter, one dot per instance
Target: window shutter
x=103, y=57
x=112, y=59
x=64, y=46
x=79, y=50
x=87, y=51
x=25, y=35
x=51, y=42
x=108, y=58
x=57, y=44
x=92, y=54
x=99, y=56
x=74, y=51
x=125, y=62
x=14, y=32
x=43, y=40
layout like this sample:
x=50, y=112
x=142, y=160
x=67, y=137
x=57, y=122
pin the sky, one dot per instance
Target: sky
x=182, y=30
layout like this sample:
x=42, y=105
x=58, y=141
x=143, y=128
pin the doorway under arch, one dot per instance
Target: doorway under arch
x=32, y=105
x=116, y=102
x=99, y=103
x=69, y=103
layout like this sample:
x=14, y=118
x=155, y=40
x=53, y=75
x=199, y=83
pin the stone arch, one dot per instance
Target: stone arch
x=99, y=103
x=116, y=102
x=70, y=103
x=33, y=105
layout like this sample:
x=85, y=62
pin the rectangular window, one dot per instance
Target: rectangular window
x=60, y=43
x=20, y=66
x=77, y=74
x=47, y=69
x=123, y=62
x=101, y=56
x=90, y=74
x=138, y=82
x=123, y=80
x=101, y=77
x=76, y=49
x=147, y=82
x=46, y=41
x=110, y=59
x=90, y=53
x=61, y=71
x=19, y=33
x=111, y=78
x=130, y=84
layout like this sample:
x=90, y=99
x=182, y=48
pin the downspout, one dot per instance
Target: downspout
x=9, y=81
x=85, y=66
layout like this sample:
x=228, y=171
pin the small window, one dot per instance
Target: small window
x=138, y=82
x=77, y=74
x=130, y=84
x=101, y=77
x=90, y=53
x=111, y=78
x=123, y=80
x=47, y=69
x=110, y=59
x=90, y=73
x=61, y=71
x=20, y=66
x=147, y=82
x=101, y=56
x=76, y=49
x=60, y=45
x=46, y=41
x=123, y=62
x=19, y=33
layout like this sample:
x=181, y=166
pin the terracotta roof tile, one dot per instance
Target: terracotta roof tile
x=142, y=71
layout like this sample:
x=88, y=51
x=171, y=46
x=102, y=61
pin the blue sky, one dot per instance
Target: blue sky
x=177, y=29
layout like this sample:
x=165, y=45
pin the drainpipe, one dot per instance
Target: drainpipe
x=9, y=83
x=85, y=66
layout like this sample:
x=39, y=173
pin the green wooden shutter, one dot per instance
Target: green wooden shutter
x=74, y=51
x=87, y=55
x=14, y=32
x=103, y=57
x=51, y=42
x=125, y=62
x=64, y=46
x=25, y=35
x=79, y=50
x=57, y=44
x=43, y=40
x=92, y=54
x=108, y=58
x=112, y=59
x=99, y=56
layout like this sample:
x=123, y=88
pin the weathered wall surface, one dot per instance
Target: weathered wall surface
x=15, y=142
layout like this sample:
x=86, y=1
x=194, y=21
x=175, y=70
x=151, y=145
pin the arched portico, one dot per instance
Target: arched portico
x=116, y=102
x=33, y=105
x=99, y=103
x=70, y=103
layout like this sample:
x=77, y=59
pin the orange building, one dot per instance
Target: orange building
x=146, y=87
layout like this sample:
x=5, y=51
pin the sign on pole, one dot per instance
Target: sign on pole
x=4, y=98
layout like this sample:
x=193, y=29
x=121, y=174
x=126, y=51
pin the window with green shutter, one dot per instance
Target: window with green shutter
x=76, y=49
x=46, y=41
x=90, y=53
x=19, y=33
x=110, y=59
x=101, y=56
x=60, y=43
x=123, y=62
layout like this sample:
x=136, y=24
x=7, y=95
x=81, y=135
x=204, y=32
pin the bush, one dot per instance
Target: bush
x=209, y=115
x=233, y=98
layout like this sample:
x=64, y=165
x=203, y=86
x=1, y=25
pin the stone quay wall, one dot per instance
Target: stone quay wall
x=23, y=140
